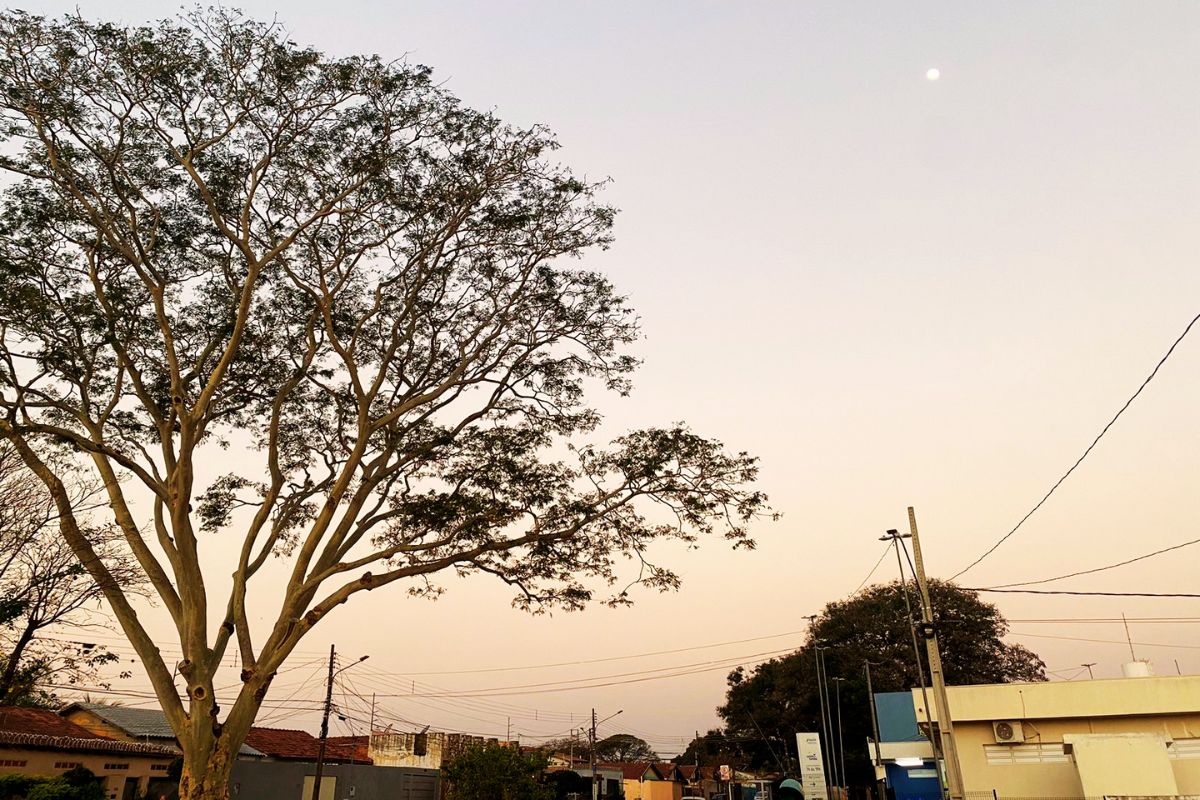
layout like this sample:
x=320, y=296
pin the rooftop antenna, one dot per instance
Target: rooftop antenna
x=1128, y=638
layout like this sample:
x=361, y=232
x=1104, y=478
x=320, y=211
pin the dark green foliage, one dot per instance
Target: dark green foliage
x=624, y=747
x=492, y=772
x=765, y=708
x=77, y=784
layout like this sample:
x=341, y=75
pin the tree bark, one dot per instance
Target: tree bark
x=206, y=775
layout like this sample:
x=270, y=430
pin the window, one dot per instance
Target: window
x=1001, y=754
x=158, y=767
x=1182, y=749
x=116, y=766
x=67, y=764
x=12, y=762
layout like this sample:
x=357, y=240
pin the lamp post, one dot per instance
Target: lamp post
x=316, y=792
x=837, y=682
x=592, y=742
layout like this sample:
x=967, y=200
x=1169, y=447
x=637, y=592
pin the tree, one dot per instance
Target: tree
x=624, y=747
x=217, y=239
x=713, y=749
x=494, y=772
x=42, y=584
x=766, y=707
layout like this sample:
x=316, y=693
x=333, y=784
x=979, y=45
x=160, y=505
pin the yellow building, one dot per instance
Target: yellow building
x=38, y=742
x=1124, y=736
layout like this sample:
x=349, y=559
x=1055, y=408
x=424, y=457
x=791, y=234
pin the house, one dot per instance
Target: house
x=650, y=781
x=36, y=741
x=429, y=750
x=1120, y=736
x=699, y=781
x=906, y=757
x=283, y=744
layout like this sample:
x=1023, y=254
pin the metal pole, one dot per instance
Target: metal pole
x=874, y=729
x=825, y=728
x=945, y=722
x=895, y=536
x=1089, y=666
x=316, y=792
x=829, y=713
x=837, y=682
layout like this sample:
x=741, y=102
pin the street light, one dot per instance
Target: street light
x=592, y=738
x=841, y=745
x=316, y=792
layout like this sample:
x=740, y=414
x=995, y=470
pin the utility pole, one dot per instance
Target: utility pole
x=316, y=792
x=945, y=723
x=874, y=728
x=592, y=742
x=895, y=536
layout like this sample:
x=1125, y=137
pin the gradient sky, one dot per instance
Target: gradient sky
x=895, y=291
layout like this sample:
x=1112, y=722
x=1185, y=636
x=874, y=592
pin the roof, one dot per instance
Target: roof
x=356, y=748
x=43, y=729
x=1093, y=699
x=39, y=721
x=293, y=745
x=139, y=723
x=633, y=770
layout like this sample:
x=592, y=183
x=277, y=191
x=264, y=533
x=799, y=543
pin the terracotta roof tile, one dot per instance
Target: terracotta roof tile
x=14, y=719
x=293, y=745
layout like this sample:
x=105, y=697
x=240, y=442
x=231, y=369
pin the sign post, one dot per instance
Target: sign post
x=812, y=767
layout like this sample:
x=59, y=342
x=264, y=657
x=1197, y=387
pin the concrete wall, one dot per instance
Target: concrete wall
x=653, y=790
x=284, y=780
x=396, y=749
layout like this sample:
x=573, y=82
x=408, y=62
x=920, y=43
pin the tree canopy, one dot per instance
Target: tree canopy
x=766, y=707
x=214, y=239
x=495, y=772
x=624, y=747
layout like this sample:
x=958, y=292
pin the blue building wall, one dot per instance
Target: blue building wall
x=898, y=723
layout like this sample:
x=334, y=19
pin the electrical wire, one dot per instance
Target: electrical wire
x=1098, y=569
x=882, y=556
x=1107, y=641
x=1086, y=594
x=1086, y=452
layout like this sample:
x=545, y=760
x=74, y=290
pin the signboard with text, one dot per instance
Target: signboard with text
x=812, y=766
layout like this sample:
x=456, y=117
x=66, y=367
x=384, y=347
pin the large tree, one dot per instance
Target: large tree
x=215, y=238
x=766, y=707
x=624, y=747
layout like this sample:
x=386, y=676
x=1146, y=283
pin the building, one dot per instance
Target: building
x=429, y=750
x=1121, y=736
x=906, y=758
x=36, y=741
x=650, y=781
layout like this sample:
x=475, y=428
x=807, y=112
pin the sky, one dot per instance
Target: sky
x=895, y=291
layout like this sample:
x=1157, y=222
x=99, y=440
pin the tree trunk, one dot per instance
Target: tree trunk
x=207, y=777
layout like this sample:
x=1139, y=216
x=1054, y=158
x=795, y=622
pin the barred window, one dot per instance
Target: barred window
x=67, y=764
x=12, y=762
x=116, y=766
x=1000, y=754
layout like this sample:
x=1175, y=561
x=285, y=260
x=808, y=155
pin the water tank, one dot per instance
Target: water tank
x=1137, y=669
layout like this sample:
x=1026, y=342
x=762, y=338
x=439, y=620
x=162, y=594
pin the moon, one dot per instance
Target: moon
x=933, y=73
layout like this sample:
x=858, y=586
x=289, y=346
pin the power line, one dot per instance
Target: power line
x=1089, y=449
x=882, y=556
x=609, y=658
x=1086, y=594
x=1098, y=569
x=1107, y=641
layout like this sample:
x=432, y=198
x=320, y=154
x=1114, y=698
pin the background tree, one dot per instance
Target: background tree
x=212, y=237
x=493, y=772
x=713, y=749
x=624, y=747
x=766, y=707
x=42, y=585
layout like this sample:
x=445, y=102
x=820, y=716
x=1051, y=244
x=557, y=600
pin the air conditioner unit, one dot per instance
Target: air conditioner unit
x=1008, y=732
